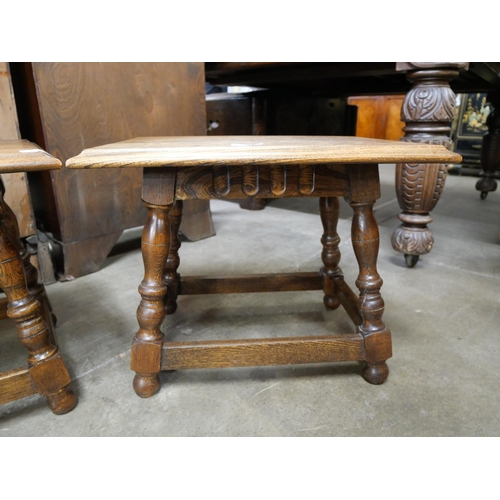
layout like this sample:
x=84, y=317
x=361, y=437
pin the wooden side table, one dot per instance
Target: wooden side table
x=182, y=168
x=26, y=301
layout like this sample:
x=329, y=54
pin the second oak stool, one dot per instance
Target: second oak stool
x=26, y=301
x=235, y=167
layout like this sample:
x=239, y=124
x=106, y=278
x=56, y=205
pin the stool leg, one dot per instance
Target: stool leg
x=329, y=212
x=36, y=289
x=365, y=241
x=46, y=367
x=148, y=341
x=170, y=276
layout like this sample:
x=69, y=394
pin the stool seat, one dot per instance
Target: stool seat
x=236, y=167
x=24, y=156
x=256, y=150
x=26, y=301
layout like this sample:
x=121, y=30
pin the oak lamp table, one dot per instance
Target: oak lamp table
x=26, y=301
x=235, y=167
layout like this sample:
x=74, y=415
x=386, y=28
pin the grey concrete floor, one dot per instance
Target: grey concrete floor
x=444, y=316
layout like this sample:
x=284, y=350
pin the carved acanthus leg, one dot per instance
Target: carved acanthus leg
x=365, y=242
x=490, y=151
x=329, y=211
x=171, y=277
x=46, y=367
x=428, y=111
x=36, y=289
x=147, y=345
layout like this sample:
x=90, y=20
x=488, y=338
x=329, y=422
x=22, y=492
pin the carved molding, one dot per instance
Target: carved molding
x=425, y=103
x=412, y=240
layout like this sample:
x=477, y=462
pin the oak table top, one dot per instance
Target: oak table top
x=24, y=156
x=192, y=151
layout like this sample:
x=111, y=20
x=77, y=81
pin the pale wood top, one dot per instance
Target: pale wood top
x=261, y=150
x=24, y=156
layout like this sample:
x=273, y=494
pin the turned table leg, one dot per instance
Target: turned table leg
x=170, y=276
x=147, y=345
x=329, y=212
x=365, y=242
x=36, y=289
x=490, y=151
x=428, y=111
x=46, y=367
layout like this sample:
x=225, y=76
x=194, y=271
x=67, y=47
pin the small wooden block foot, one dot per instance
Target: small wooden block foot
x=376, y=373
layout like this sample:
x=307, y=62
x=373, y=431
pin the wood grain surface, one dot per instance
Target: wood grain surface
x=191, y=151
x=24, y=156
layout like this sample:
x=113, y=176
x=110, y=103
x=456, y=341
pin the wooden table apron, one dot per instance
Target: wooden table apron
x=165, y=188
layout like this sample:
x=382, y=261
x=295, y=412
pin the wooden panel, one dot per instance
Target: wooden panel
x=16, y=184
x=262, y=352
x=379, y=116
x=82, y=105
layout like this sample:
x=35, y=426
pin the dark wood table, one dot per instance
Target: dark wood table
x=26, y=301
x=224, y=167
x=428, y=111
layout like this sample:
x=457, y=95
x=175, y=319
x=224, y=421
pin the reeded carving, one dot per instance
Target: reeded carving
x=278, y=180
x=250, y=180
x=222, y=181
x=307, y=179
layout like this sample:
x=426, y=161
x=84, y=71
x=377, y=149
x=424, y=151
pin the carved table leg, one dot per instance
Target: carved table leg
x=428, y=111
x=329, y=211
x=170, y=276
x=46, y=367
x=490, y=151
x=365, y=241
x=147, y=345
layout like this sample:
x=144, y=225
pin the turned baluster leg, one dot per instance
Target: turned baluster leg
x=490, y=150
x=36, y=289
x=147, y=345
x=365, y=241
x=329, y=211
x=170, y=276
x=428, y=111
x=46, y=367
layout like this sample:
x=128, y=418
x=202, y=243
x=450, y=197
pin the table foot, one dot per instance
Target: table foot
x=145, y=385
x=376, y=373
x=62, y=402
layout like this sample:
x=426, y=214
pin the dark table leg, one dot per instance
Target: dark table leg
x=490, y=151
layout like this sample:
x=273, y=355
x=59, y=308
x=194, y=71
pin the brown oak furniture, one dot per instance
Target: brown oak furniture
x=225, y=167
x=26, y=301
x=427, y=111
x=65, y=107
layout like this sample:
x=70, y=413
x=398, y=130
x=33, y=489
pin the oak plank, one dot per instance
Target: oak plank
x=262, y=352
x=191, y=151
